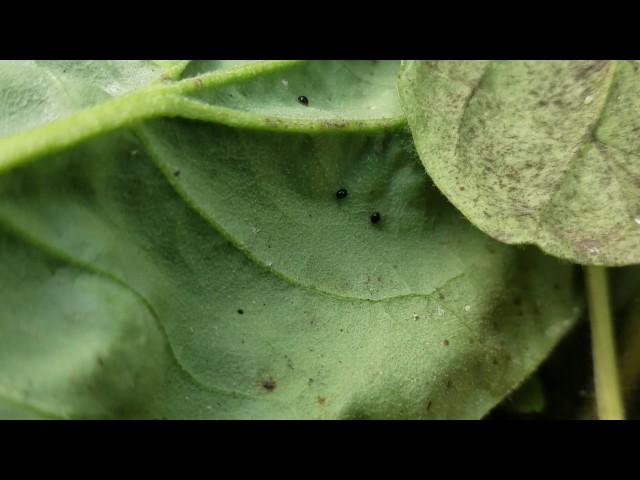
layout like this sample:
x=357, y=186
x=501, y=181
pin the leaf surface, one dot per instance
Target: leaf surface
x=540, y=152
x=179, y=252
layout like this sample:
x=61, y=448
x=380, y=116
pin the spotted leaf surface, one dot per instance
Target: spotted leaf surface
x=181, y=250
x=540, y=152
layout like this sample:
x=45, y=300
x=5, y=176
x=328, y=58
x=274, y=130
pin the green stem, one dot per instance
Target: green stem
x=605, y=368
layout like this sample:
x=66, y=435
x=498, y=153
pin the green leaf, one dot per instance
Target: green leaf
x=540, y=152
x=179, y=252
x=528, y=398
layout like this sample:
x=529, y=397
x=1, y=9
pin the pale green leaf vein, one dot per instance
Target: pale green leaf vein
x=220, y=230
x=52, y=252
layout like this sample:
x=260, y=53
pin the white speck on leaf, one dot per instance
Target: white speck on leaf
x=467, y=308
x=588, y=99
x=637, y=220
x=285, y=83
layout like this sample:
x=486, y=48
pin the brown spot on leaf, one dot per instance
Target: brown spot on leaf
x=268, y=384
x=322, y=401
x=445, y=342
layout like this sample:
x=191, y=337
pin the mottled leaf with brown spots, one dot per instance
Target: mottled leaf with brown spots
x=540, y=152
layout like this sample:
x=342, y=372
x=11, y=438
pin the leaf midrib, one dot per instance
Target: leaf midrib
x=159, y=99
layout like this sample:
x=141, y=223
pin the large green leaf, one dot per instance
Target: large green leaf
x=179, y=251
x=542, y=152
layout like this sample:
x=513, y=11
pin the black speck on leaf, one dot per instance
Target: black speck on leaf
x=303, y=100
x=240, y=311
x=375, y=217
x=269, y=385
x=340, y=194
x=176, y=173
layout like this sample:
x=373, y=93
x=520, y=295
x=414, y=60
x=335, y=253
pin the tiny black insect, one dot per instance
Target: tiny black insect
x=240, y=311
x=303, y=100
x=375, y=217
x=340, y=194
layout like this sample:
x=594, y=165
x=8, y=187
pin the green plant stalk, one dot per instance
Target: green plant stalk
x=607, y=378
